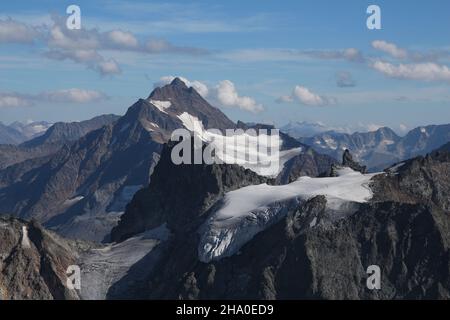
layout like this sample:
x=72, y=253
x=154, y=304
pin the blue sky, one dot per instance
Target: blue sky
x=266, y=61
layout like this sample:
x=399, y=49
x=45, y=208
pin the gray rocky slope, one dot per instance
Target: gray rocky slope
x=404, y=229
x=34, y=261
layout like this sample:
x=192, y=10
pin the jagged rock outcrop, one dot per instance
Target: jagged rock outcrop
x=420, y=180
x=179, y=194
x=33, y=262
x=347, y=161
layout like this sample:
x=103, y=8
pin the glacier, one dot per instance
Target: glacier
x=246, y=150
x=247, y=211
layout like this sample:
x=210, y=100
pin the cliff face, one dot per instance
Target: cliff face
x=33, y=262
x=420, y=180
x=180, y=194
x=410, y=243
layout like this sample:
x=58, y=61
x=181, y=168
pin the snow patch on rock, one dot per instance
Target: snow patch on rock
x=161, y=105
x=244, y=149
x=26, y=244
x=71, y=202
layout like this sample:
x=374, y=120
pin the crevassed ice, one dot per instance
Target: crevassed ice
x=259, y=153
x=250, y=210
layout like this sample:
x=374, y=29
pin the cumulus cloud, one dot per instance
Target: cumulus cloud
x=264, y=54
x=345, y=79
x=349, y=54
x=224, y=93
x=16, y=32
x=307, y=97
x=122, y=39
x=228, y=96
x=372, y=127
x=87, y=46
x=390, y=48
x=415, y=71
x=73, y=95
x=403, y=127
x=107, y=67
x=12, y=100
x=199, y=86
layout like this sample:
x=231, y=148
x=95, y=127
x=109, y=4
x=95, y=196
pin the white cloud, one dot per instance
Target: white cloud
x=108, y=67
x=73, y=95
x=79, y=55
x=87, y=46
x=16, y=32
x=228, y=96
x=421, y=71
x=12, y=100
x=200, y=87
x=390, y=48
x=403, y=127
x=279, y=54
x=122, y=39
x=372, y=127
x=307, y=97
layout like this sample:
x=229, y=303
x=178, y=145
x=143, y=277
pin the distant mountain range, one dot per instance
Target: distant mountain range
x=19, y=132
x=383, y=147
x=304, y=129
x=51, y=140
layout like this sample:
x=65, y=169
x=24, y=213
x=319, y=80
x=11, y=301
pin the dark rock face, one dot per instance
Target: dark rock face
x=13, y=154
x=33, y=265
x=419, y=180
x=308, y=163
x=194, y=189
x=347, y=161
x=290, y=261
x=180, y=194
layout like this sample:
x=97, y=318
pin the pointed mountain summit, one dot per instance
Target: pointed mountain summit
x=177, y=98
x=83, y=189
